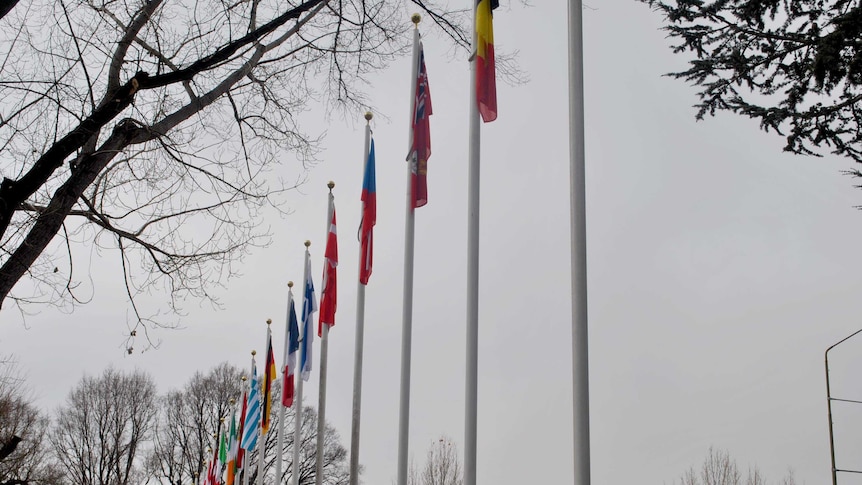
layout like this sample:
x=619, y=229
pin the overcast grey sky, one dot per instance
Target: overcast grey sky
x=720, y=269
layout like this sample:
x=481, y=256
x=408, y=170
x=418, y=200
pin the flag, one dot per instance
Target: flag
x=233, y=450
x=309, y=306
x=420, y=148
x=369, y=218
x=290, y=349
x=252, y=415
x=329, y=293
x=222, y=458
x=269, y=374
x=486, y=79
x=240, y=454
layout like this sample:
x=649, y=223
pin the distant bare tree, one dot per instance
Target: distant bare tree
x=719, y=468
x=335, y=466
x=99, y=433
x=442, y=466
x=187, y=420
x=23, y=449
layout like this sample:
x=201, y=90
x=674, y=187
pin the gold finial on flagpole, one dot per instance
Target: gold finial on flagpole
x=269, y=321
x=307, y=243
x=244, y=378
x=415, y=18
x=253, y=353
x=232, y=402
x=331, y=185
x=290, y=284
x=368, y=116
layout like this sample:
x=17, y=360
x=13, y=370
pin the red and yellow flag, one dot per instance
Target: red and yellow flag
x=268, y=377
x=486, y=82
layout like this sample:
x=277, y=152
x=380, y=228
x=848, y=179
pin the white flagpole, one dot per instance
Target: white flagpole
x=297, y=402
x=261, y=448
x=580, y=338
x=472, y=363
x=280, y=435
x=357, y=354
x=407, y=310
x=324, y=348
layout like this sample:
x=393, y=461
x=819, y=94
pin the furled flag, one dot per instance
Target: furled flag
x=486, y=79
x=222, y=458
x=369, y=218
x=420, y=148
x=290, y=349
x=329, y=293
x=233, y=450
x=269, y=374
x=240, y=455
x=309, y=307
x=211, y=468
x=252, y=414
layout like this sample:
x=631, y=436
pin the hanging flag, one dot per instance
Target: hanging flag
x=309, y=307
x=369, y=218
x=420, y=148
x=222, y=458
x=486, y=79
x=269, y=374
x=329, y=293
x=252, y=415
x=233, y=450
x=240, y=454
x=290, y=350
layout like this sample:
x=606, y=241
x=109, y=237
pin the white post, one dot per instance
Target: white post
x=297, y=402
x=261, y=441
x=321, y=412
x=357, y=354
x=407, y=309
x=280, y=434
x=297, y=430
x=324, y=350
x=580, y=336
x=472, y=363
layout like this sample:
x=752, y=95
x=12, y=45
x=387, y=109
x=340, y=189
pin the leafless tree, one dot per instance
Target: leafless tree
x=22, y=429
x=99, y=433
x=442, y=465
x=719, y=468
x=335, y=466
x=187, y=420
x=150, y=129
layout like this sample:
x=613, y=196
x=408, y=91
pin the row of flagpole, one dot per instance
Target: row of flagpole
x=257, y=395
x=482, y=104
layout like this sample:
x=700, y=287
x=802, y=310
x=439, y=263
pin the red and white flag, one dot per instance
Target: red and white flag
x=329, y=294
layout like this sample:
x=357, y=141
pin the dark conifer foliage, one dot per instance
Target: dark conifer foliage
x=793, y=65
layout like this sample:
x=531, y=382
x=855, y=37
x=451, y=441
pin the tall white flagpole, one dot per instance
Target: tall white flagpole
x=261, y=449
x=472, y=363
x=324, y=348
x=280, y=435
x=297, y=402
x=407, y=309
x=360, y=330
x=580, y=336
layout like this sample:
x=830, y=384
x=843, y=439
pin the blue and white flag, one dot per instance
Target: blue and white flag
x=309, y=307
x=252, y=413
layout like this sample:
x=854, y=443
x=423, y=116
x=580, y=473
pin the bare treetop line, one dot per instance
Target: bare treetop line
x=115, y=428
x=152, y=127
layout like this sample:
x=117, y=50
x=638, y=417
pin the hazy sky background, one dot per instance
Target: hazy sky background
x=720, y=269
